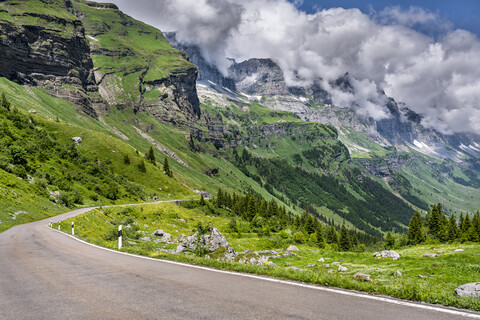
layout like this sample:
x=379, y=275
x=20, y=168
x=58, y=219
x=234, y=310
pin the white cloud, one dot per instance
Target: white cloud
x=437, y=77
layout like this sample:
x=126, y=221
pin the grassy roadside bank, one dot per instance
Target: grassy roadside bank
x=439, y=275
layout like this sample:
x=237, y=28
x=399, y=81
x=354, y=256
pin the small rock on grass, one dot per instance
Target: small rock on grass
x=397, y=273
x=459, y=250
x=421, y=276
x=342, y=268
x=321, y=260
x=362, y=277
x=293, y=248
x=311, y=265
x=430, y=255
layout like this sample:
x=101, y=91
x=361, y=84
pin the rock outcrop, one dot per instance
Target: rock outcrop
x=258, y=77
x=47, y=49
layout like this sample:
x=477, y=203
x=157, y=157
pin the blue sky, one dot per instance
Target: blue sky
x=464, y=14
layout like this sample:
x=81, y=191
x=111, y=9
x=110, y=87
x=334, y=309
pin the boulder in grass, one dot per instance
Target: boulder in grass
x=77, y=140
x=468, y=290
x=342, y=268
x=387, y=254
x=397, y=274
x=293, y=248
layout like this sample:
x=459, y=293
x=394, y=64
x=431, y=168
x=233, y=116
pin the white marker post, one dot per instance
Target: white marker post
x=119, y=237
x=59, y=222
x=73, y=229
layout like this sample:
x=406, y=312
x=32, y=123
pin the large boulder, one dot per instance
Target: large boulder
x=468, y=290
x=211, y=241
x=387, y=254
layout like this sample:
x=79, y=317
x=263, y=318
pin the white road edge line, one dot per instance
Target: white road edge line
x=332, y=290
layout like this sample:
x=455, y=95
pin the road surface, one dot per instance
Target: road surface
x=45, y=274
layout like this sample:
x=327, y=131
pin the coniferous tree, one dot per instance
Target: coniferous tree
x=389, y=241
x=332, y=235
x=141, y=166
x=219, y=199
x=319, y=235
x=475, y=233
x=453, y=231
x=4, y=102
x=415, y=229
x=466, y=226
x=150, y=156
x=202, y=200
x=126, y=160
x=345, y=243
x=166, y=168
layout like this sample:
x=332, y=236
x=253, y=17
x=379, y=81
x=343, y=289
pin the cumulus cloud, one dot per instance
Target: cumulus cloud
x=437, y=77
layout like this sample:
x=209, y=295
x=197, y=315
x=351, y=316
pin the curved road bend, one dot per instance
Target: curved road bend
x=45, y=274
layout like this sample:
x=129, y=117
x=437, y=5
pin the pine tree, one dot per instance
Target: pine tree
x=345, y=244
x=141, y=167
x=453, y=231
x=332, y=235
x=415, y=229
x=202, y=200
x=319, y=235
x=126, y=160
x=4, y=102
x=389, y=241
x=166, y=168
x=475, y=234
x=219, y=199
x=150, y=156
x=465, y=231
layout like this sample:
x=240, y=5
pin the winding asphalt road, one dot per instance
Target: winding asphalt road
x=45, y=274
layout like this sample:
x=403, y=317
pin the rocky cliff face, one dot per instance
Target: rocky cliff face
x=46, y=49
x=135, y=67
x=258, y=77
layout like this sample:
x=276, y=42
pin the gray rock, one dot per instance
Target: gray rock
x=468, y=290
x=311, y=265
x=211, y=241
x=144, y=239
x=294, y=269
x=32, y=111
x=387, y=254
x=421, y=276
x=77, y=140
x=430, y=255
x=165, y=237
x=327, y=266
x=292, y=248
x=459, y=250
x=286, y=254
x=321, y=260
x=397, y=274
x=362, y=277
x=271, y=264
x=342, y=268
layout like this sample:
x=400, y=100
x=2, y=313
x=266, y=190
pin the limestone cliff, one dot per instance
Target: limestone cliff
x=45, y=45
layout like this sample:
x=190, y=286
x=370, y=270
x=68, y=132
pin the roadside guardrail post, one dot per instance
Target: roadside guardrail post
x=73, y=229
x=59, y=223
x=119, y=237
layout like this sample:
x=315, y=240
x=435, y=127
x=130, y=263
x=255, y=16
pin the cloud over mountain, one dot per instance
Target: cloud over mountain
x=437, y=77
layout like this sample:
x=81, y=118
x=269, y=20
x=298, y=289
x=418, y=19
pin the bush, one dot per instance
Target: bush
x=299, y=237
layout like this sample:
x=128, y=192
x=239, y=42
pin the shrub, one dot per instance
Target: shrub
x=299, y=237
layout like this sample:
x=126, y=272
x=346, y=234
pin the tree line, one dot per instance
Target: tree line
x=436, y=226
